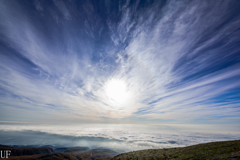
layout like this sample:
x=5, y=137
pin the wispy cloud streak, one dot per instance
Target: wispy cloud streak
x=178, y=59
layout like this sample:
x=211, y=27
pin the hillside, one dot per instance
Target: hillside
x=214, y=150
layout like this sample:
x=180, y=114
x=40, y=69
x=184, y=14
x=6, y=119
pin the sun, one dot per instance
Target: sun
x=116, y=90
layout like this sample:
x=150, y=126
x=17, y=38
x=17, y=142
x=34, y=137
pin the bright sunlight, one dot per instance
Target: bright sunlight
x=116, y=90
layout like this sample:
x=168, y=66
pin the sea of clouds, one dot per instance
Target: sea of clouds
x=121, y=138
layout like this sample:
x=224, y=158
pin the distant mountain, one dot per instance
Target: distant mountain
x=27, y=151
x=63, y=153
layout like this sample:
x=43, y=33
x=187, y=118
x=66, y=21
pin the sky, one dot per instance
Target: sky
x=133, y=61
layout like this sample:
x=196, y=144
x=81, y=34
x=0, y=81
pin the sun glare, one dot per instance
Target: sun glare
x=116, y=90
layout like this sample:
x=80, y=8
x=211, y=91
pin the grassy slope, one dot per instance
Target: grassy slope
x=213, y=150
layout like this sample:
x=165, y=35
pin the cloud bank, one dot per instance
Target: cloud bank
x=121, y=138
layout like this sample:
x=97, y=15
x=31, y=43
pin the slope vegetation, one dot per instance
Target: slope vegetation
x=213, y=150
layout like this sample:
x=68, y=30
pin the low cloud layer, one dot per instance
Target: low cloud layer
x=179, y=61
x=121, y=138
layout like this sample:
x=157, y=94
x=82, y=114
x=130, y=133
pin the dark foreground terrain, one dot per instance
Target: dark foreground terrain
x=63, y=153
x=215, y=150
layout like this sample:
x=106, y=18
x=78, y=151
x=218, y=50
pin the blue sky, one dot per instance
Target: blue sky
x=120, y=61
